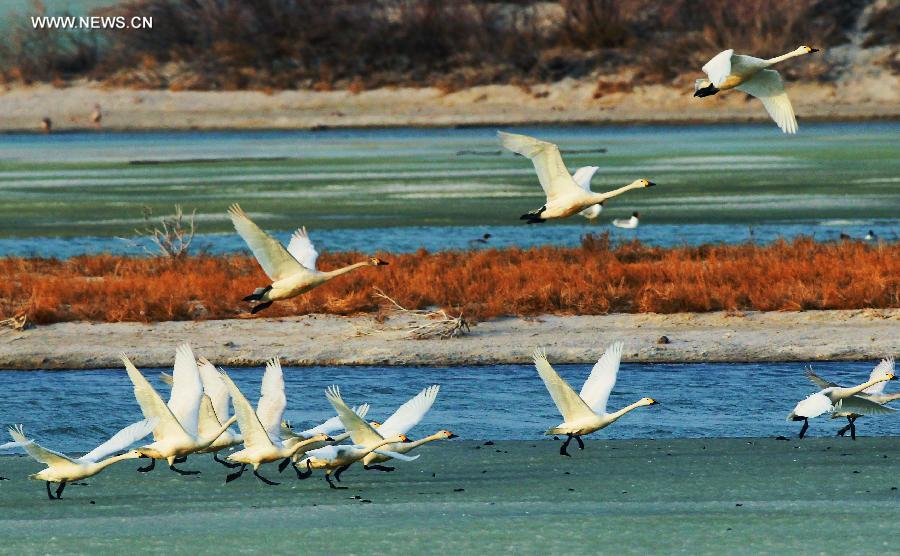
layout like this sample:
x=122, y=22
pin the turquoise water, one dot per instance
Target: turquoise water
x=75, y=410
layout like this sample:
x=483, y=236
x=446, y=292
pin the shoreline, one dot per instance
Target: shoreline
x=327, y=340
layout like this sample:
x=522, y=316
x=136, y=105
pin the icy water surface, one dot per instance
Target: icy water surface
x=75, y=410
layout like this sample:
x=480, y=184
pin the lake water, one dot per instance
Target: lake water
x=401, y=189
x=76, y=410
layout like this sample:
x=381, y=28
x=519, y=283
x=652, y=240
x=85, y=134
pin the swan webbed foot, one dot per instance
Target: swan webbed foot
x=562, y=449
x=227, y=464
x=303, y=474
x=580, y=443
x=378, y=467
x=331, y=484
x=263, y=479
x=182, y=471
x=149, y=467
x=182, y=459
x=804, y=428
x=236, y=474
x=259, y=307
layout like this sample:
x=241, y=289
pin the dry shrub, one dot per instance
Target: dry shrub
x=596, y=278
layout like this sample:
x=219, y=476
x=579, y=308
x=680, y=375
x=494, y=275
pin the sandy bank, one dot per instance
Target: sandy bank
x=568, y=101
x=748, y=496
x=330, y=340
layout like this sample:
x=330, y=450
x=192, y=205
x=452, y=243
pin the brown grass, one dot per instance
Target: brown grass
x=593, y=279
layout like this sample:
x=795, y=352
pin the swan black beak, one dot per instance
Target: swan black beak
x=328, y=439
x=453, y=435
x=655, y=403
x=813, y=50
x=383, y=263
x=650, y=184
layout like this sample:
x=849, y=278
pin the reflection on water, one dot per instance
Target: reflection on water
x=76, y=410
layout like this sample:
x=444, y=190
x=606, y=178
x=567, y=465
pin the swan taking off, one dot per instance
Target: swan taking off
x=627, y=223
x=835, y=398
x=62, y=469
x=862, y=401
x=292, y=270
x=585, y=413
x=751, y=75
x=565, y=195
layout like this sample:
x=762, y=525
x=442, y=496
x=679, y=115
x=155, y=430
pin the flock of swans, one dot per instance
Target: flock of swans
x=195, y=419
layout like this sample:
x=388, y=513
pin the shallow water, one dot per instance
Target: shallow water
x=75, y=410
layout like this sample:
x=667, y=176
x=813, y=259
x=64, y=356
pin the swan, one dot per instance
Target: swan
x=871, y=394
x=292, y=270
x=582, y=177
x=870, y=236
x=628, y=224
x=836, y=398
x=585, y=412
x=373, y=461
x=483, y=240
x=62, y=469
x=260, y=428
x=289, y=436
x=176, y=433
x=750, y=75
x=213, y=408
x=565, y=196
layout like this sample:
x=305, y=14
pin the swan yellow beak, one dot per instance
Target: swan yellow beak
x=891, y=376
x=653, y=402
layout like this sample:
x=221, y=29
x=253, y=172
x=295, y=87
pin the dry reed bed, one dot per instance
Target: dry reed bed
x=595, y=278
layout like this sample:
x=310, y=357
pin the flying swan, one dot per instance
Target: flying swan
x=585, y=412
x=292, y=270
x=565, y=195
x=751, y=75
x=835, y=398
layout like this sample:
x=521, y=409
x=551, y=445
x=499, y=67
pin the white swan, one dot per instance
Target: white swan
x=290, y=437
x=751, y=75
x=629, y=223
x=176, y=433
x=565, y=196
x=585, y=413
x=835, y=398
x=292, y=270
x=874, y=394
x=62, y=469
x=261, y=428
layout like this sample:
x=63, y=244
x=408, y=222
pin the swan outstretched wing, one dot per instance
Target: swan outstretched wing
x=395, y=455
x=819, y=381
x=327, y=453
x=360, y=431
x=37, y=451
x=767, y=86
x=334, y=424
x=884, y=367
x=302, y=249
x=596, y=389
x=583, y=175
x=152, y=405
x=121, y=440
x=184, y=401
x=812, y=406
x=207, y=420
x=215, y=388
x=548, y=163
x=862, y=406
x=166, y=378
x=409, y=414
x=719, y=67
x=269, y=252
x=570, y=405
x=252, y=431
x=272, y=400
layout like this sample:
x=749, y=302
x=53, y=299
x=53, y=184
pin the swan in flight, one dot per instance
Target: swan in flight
x=332, y=458
x=290, y=437
x=62, y=469
x=751, y=75
x=873, y=394
x=836, y=398
x=629, y=223
x=176, y=434
x=260, y=429
x=585, y=412
x=565, y=195
x=292, y=270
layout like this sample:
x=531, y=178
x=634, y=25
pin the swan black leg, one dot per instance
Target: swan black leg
x=263, y=479
x=852, y=427
x=378, y=467
x=283, y=465
x=236, y=474
x=339, y=470
x=182, y=471
x=182, y=459
x=562, y=449
x=303, y=474
x=59, y=489
x=843, y=430
x=580, y=443
x=331, y=484
x=49, y=494
x=227, y=464
x=149, y=467
x=804, y=428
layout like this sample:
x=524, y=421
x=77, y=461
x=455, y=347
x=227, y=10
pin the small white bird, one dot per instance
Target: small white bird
x=62, y=469
x=585, y=413
x=751, y=75
x=627, y=223
x=870, y=236
x=835, y=398
x=565, y=196
x=292, y=270
x=872, y=394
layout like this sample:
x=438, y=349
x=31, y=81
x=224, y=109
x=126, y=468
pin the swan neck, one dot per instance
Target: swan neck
x=100, y=465
x=617, y=414
x=349, y=268
x=300, y=445
x=426, y=440
x=783, y=57
x=597, y=198
x=847, y=392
